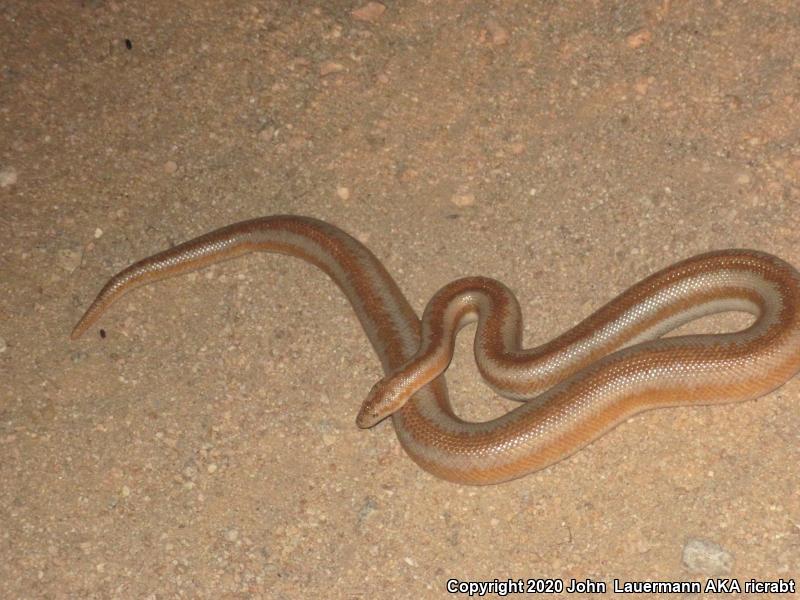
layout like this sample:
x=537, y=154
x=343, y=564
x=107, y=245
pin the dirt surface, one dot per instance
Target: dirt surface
x=206, y=446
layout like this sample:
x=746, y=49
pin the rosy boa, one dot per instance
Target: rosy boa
x=577, y=387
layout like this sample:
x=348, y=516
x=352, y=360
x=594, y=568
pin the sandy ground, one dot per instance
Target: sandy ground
x=206, y=447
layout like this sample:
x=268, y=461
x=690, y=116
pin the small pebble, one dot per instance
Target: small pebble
x=170, y=167
x=406, y=175
x=300, y=63
x=8, y=176
x=743, y=179
x=343, y=192
x=231, y=535
x=370, y=505
x=98, y=233
x=370, y=12
x=126, y=491
x=463, y=199
x=329, y=67
x=733, y=102
x=69, y=259
x=641, y=86
x=3, y=345
x=498, y=32
x=212, y=468
x=639, y=38
x=708, y=558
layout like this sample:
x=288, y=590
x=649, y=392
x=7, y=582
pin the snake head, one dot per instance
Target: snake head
x=384, y=399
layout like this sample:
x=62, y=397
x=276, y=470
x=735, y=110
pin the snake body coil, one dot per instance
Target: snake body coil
x=577, y=387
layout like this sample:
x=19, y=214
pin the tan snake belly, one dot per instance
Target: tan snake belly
x=577, y=386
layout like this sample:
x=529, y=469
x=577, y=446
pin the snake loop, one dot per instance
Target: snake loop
x=575, y=388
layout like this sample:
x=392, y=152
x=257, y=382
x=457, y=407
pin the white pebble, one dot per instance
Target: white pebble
x=463, y=199
x=708, y=558
x=8, y=176
x=343, y=192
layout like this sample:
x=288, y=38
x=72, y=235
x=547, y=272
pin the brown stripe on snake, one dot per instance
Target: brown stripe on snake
x=578, y=386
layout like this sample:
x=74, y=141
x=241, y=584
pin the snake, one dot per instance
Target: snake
x=573, y=389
